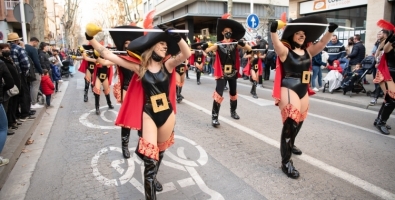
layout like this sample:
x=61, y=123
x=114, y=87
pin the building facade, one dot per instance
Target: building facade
x=8, y=23
x=362, y=15
x=200, y=17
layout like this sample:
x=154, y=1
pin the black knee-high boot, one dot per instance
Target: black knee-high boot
x=385, y=114
x=149, y=178
x=233, y=106
x=86, y=90
x=178, y=91
x=182, y=97
x=253, y=89
x=186, y=71
x=289, y=129
x=198, y=73
x=125, y=134
x=158, y=185
x=109, y=101
x=97, y=100
x=296, y=150
x=378, y=116
x=260, y=79
x=215, y=113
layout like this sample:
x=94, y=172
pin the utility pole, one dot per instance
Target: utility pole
x=230, y=6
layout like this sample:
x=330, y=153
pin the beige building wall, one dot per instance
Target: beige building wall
x=376, y=10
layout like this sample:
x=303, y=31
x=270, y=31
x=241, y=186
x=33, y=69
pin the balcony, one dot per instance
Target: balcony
x=10, y=4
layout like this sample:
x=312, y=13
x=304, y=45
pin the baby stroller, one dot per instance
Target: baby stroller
x=65, y=69
x=354, y=83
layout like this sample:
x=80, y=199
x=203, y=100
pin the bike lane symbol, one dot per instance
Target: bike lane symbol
x=84, y=119
x=181, y=163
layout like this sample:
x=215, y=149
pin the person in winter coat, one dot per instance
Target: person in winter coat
x=317, y=63
x=47, y=87
x=56, y=76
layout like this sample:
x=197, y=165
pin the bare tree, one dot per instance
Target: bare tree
x=68, y=19
x=37, y=26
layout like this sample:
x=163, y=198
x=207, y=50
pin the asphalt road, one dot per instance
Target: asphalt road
x=344, y=156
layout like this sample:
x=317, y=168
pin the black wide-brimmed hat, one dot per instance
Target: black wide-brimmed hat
x=87, y=47
x=195, y=45
x=312, y=32
x=119, y=37
x=141, y=44
x=238, y=30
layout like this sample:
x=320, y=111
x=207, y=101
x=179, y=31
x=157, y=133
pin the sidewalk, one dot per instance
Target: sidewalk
x=16, y=143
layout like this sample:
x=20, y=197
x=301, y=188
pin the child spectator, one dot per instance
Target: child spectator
x=47, y=87
x=334, y=76
x=353, y=76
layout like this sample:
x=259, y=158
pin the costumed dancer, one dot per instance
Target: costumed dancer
x=122, y=40
x=291, y=85
x=253, y=68
x=150, y=104
x=227, y=63
x=198, y=59
x=385, y=76
x=180, y=78
x=102, y=76
x=87, y=67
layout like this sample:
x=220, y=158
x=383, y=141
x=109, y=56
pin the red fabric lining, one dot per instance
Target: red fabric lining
x=217, y=64
x=247, y=69
x=83, y=66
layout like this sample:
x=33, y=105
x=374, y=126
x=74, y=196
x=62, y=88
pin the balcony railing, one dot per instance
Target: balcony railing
x=10, y=4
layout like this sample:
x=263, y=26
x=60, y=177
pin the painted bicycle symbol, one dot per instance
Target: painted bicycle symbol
x=179, y=162
x=84, y=118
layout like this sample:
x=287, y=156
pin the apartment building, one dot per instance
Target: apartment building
x=8, y=23
x=200, y=17
x=362, y=15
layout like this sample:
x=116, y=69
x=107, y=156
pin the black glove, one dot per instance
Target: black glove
x=273, y=26
x=88, y=37
x=204, y=46
x=332, y=27
x=175, y=36
x=241, y=43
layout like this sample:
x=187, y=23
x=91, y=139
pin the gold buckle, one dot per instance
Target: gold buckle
x=103, y=76
x=228, y=69
x=306, y=77
x=182, y=69
x=159, y=102
x=199, y=59
x=91, y=66
x=256, y=66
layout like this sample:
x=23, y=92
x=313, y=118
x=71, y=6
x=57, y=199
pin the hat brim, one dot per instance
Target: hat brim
x=87, y=47
x=195, y=45
x=238, y=30
x=120, y=37
x=312, y=32
x=143, y=43
x=8, y=40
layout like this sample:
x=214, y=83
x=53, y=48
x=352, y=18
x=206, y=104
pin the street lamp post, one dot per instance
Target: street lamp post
x=56, y=28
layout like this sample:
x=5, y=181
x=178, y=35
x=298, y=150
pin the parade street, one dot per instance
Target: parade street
x=76, y=154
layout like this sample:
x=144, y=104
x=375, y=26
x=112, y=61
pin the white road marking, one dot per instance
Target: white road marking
x=315, y=162
x=199, y=181
x=259, y=101
x=174, y=165
x=180, y=152
x=167, y=187
x=84, y=120
x=102, y=115
x=186, y=182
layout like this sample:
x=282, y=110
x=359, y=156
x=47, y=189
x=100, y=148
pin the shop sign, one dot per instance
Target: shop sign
x=324, y=5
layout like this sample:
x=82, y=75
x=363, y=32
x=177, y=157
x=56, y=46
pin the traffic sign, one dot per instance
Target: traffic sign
x=252, y=21
x=29, y=13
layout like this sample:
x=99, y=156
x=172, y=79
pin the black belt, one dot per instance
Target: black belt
x=293, y=75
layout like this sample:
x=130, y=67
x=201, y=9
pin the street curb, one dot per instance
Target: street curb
x=13, y=150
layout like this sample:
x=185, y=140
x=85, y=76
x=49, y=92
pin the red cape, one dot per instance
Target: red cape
x=192, y=59
x=383, y=68
x=247, y=70
x=131, y=111
x=277, y=82
x=217, y=65
x=83, y=66
x=109, y=73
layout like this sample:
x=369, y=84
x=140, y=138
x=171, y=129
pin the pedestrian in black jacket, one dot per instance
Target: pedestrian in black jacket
x=11, y=105
x=34, y=85
x=44, y=57
x=7, y=84
x=358, y=52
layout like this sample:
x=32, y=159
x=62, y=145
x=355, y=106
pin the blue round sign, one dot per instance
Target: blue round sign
x=252, y=21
